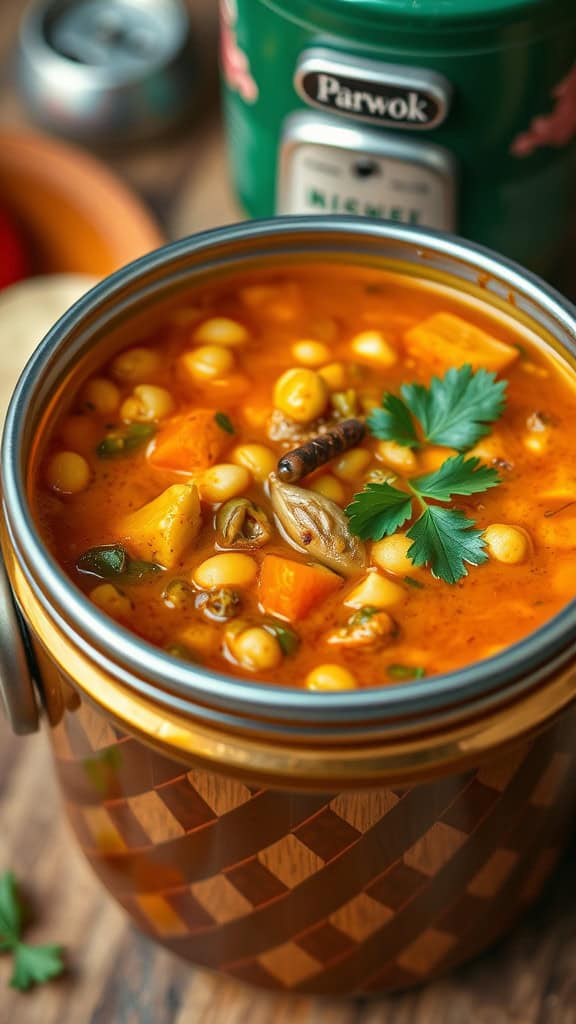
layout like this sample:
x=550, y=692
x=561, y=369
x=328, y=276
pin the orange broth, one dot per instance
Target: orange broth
x=437, y=626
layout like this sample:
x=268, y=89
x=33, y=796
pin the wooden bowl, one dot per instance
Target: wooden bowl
x=75, y=214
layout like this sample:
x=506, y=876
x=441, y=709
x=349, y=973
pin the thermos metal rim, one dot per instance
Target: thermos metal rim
x=503, y=677
x=461, y=16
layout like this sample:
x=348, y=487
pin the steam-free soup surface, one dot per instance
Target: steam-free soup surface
x=159, y=490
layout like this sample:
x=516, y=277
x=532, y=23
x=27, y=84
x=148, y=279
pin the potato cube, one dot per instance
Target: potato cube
x=445, y=340
x=163, y=529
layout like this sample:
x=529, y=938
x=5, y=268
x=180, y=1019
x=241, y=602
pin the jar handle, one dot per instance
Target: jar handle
x=18, y=698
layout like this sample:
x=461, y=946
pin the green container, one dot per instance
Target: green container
x=454, y=114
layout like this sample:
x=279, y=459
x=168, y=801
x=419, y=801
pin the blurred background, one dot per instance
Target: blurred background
x=180, y=174
x=72, y=211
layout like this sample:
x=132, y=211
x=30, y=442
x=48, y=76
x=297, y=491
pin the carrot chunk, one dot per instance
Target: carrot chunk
x=290, y=589
x=445, y=340
x=190, y=442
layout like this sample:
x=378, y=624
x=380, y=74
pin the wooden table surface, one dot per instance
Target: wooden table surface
x=114, y=974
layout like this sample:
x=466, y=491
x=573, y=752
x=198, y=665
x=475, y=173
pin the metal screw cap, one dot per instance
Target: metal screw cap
x=107, y=70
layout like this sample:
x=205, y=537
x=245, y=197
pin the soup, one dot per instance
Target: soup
x=326, y=477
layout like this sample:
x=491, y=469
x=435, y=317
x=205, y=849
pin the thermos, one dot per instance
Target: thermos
x=458, y=115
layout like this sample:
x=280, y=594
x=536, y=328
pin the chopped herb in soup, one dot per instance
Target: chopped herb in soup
x=303, y=479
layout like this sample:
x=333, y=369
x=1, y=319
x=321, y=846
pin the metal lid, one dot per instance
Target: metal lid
x=112, y=70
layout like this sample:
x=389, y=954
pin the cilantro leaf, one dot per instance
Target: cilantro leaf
x=393, y=422
x=456, y=410
x=378, y=511
x=445, y=539
x=10, y=910
x=457, y=475
x=31, y=964
x=34, y=965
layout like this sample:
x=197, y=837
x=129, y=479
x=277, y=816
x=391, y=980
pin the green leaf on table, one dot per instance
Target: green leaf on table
x=10, y=909
x=33, y=965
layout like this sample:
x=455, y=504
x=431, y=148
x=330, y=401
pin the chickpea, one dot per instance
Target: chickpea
x=220, y=330
x=334, y=374
x=223, y=481
x=310, y=353
x=147, y=404
x=376, y=591
x=397, y=456
x=301, y=394
x=68, y=473
x=136, y=365
x=330, y=677
x=102, y=395
x=330, y=487
x=112, y=601
x=259, y=460
x=508, y=544
x=374, y=347
x=352, y=463
x=256, y=649
x=226, y=570
x=391, y=554
x=207, y=362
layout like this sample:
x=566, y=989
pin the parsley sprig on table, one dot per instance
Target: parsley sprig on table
x=32, y=965
x=455, y=412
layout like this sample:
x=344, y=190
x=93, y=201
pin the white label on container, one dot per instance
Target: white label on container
x=326, y=179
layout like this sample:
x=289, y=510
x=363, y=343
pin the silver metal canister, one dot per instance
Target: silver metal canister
x=107, y=70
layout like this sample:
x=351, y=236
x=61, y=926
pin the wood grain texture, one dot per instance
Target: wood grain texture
x=115, y=975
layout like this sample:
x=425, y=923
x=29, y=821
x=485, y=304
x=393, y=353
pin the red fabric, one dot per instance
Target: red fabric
x=13, y=259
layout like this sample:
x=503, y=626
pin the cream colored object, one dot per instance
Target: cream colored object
x=27, y=312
